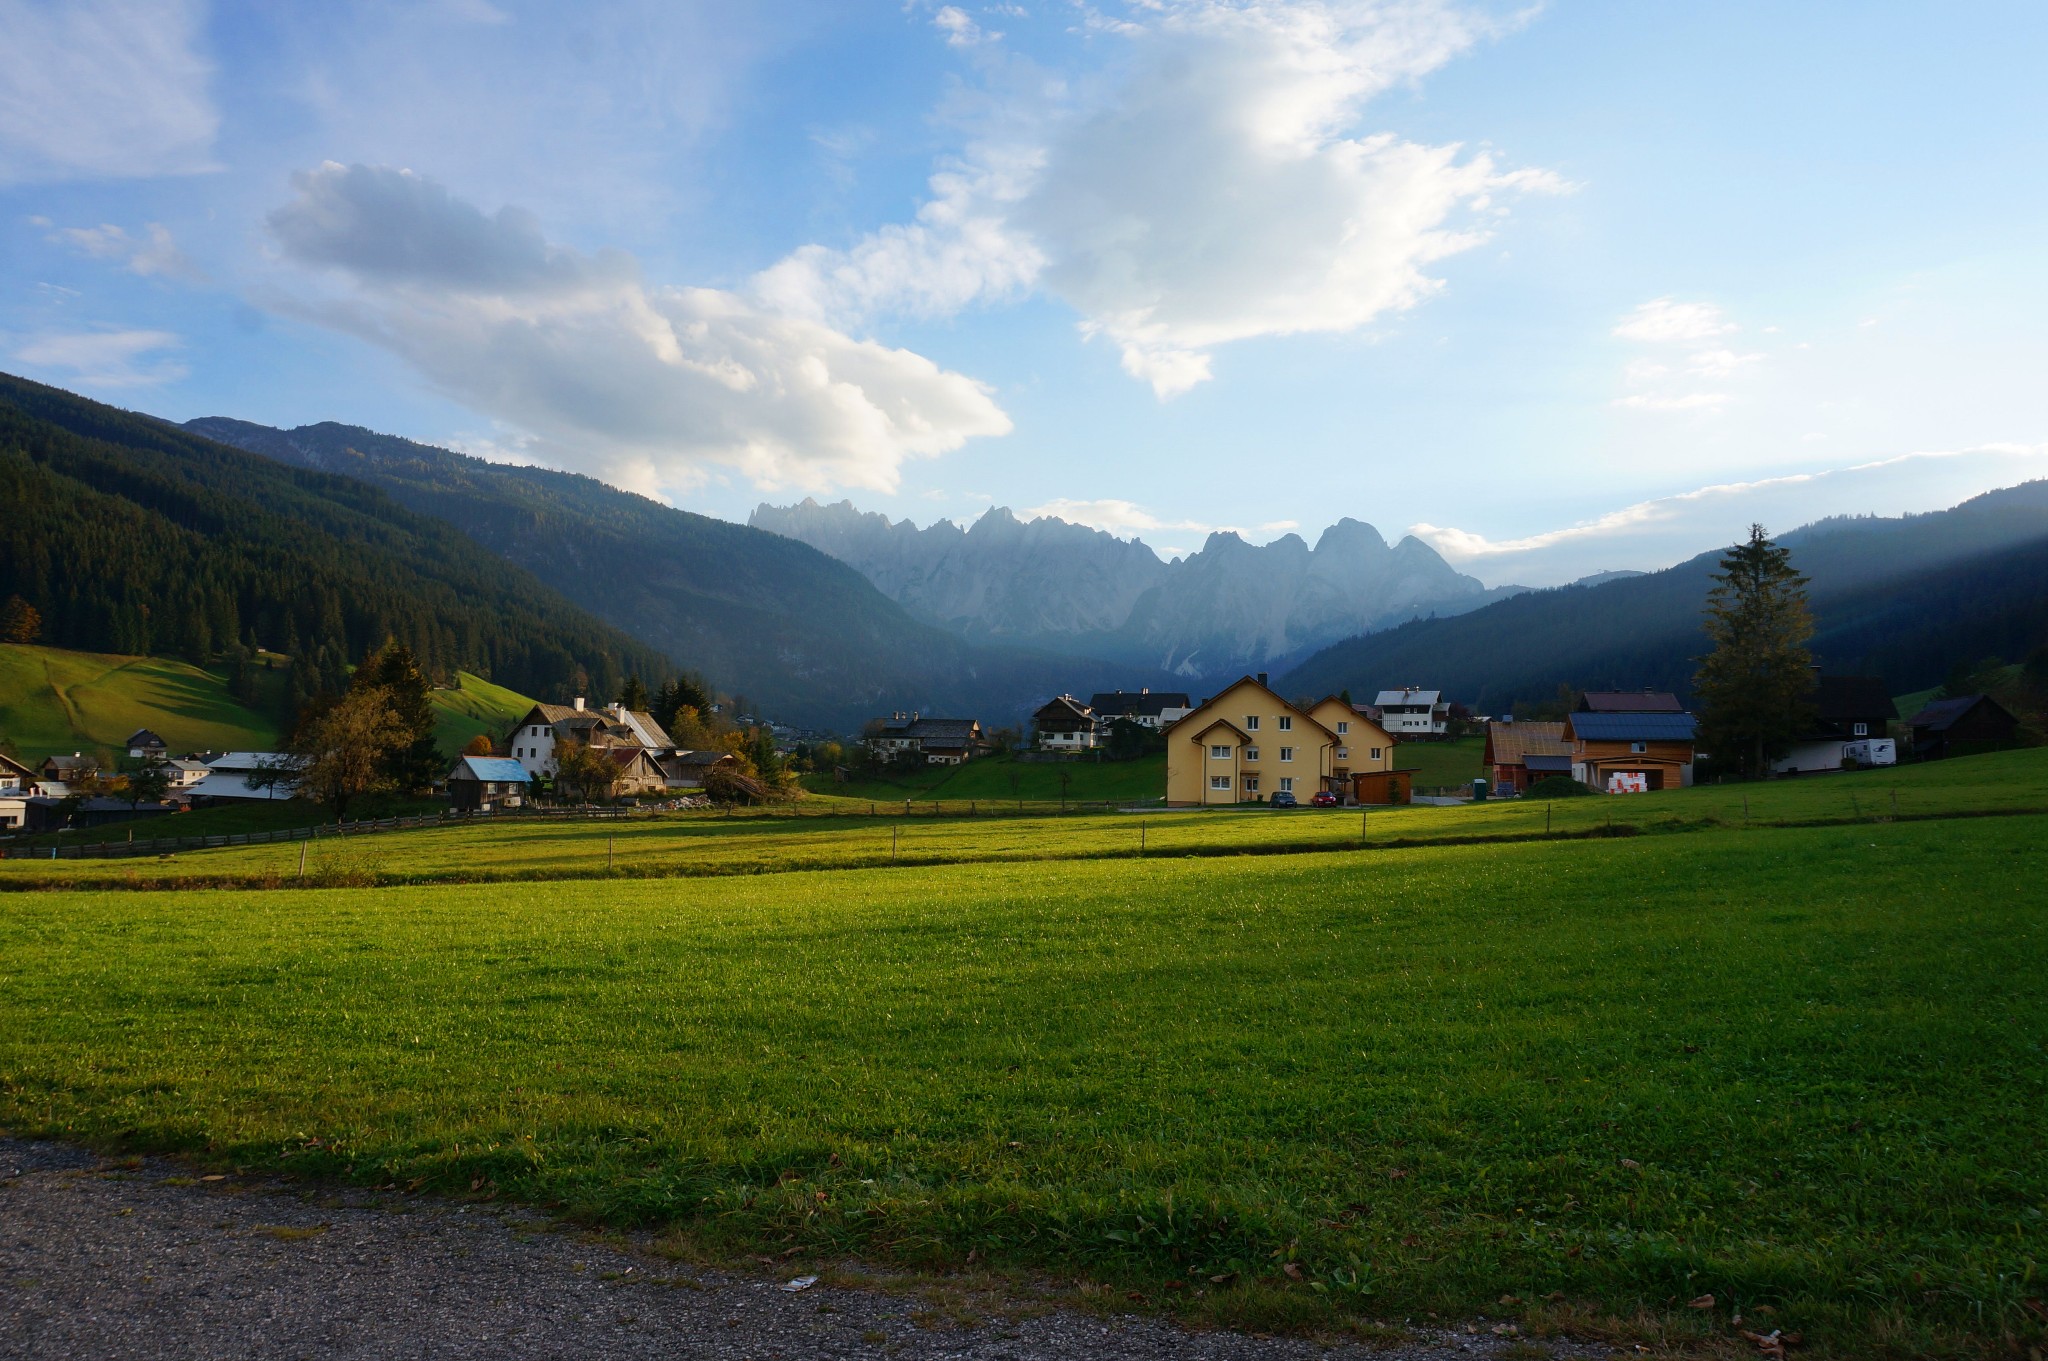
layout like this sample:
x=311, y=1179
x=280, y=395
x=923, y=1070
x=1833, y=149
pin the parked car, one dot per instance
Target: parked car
x=1324, y=799
x=1283, y=799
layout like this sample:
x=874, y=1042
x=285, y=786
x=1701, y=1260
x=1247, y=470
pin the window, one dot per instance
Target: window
x=1251, y=784
x=1639, y=747
x=1251, y=722
x=1861, y=729
x=1343, y=728
x=1251, y=753
x=1287, y=723
x=1287, y=753
x=1375, y=753
x=1221, y=782
x=1219, y=753
x=1287, y=783
x=1343, y=755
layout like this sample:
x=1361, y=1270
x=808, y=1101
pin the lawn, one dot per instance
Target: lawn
x=845, y=836
x=471, y=706
x=1443, y=765
x=1788, y=1068
x=1005, y=779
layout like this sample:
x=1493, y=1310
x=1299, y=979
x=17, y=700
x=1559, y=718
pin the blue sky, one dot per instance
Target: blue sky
x=1559, y=288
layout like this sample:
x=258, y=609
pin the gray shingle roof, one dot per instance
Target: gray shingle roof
x=1650, y=727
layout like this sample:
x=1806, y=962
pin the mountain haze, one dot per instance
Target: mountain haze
x=802, y=636
x=1229, y=608
x=1898, y=597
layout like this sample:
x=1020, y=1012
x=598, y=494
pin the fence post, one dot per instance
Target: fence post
x=302, y=860
x=892, y=841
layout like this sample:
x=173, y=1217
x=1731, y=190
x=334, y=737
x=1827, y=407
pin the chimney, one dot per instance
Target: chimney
x=577, y=703
x=1262, y=678
x=1145, y=691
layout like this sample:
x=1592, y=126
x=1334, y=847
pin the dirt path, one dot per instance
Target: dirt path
x=116, y=1260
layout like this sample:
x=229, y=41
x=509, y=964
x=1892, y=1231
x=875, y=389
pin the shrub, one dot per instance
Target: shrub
x=1556, y=787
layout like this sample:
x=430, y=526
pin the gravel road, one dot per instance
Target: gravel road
x=112, y=1260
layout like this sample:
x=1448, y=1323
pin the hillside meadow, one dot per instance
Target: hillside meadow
x=58, y=700
x=1787, y=1068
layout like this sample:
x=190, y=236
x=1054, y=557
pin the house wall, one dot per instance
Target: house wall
x=1594, y=761
x=1190, y=766
x=533, y=746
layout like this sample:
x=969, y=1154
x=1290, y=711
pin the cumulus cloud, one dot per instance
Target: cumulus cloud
x=103, y=359
x=1220, y=191
x=154, y=253
x=650, y=386
x=103, y=88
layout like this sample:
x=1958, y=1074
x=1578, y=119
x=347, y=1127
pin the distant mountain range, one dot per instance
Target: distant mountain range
x=802, y=637
x=1225, y=610
x=1902, y=598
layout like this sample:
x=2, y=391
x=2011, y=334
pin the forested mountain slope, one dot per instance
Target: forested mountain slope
x=801, y=636
x=132, y=536
x=1902, y=598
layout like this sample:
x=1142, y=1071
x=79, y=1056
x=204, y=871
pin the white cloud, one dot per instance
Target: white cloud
x=1220, y=192
x=959, y=28
x=1667, y=321
x=103, y=359
x=103, y=88
x=1656, y=532
x=155, y=254
x=1682, y=401
x=651, y=387
x=1665, y=383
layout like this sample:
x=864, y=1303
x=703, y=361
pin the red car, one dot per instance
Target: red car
x=1325, y=799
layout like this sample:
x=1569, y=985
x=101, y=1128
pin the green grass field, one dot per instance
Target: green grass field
x=1443, y=765
x=827, y=833
x=474, y=706
x=1798, y=1069
x=52, y=700
x=1004, y=779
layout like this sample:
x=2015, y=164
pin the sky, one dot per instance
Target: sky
x=1558, y=288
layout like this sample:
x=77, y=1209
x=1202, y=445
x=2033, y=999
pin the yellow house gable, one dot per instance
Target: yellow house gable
x=1272, y=746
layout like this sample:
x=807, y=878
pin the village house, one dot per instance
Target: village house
x=1247, y=743
x=1413, y=713
x=533, y=741
x=941, y=741
x=1962, y=726
x=1631, y=741
x=683, y=772
x=144, y=745
x=244, y=776
x=60, y=772
x=638, y=774
x=480, y=783
x=1154, y=709
x=1851, y=720
x=1066, y=724
x=14, y=774
x=1519, y=754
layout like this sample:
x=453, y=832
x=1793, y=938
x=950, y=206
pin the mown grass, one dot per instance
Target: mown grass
x=799, y=839
x=1799, y=1070
x=474, y=706
x=1443, y=765
x=1005, y=779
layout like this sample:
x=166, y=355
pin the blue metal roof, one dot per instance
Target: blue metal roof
x=1633, y=727
x=497, y=769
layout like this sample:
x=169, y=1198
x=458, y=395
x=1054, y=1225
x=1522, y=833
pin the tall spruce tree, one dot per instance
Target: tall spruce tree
x=1755, y=689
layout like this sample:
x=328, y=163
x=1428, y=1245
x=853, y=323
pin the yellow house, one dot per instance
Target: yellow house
x=1247, y=744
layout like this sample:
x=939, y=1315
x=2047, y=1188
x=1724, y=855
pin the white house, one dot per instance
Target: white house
x=1154, y=709
x=532, y=743
x=234, y=775
x=1413, y=713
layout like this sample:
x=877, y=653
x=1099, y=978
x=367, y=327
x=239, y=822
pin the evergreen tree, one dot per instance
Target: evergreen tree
x=633, y=695
x=1755, y=689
